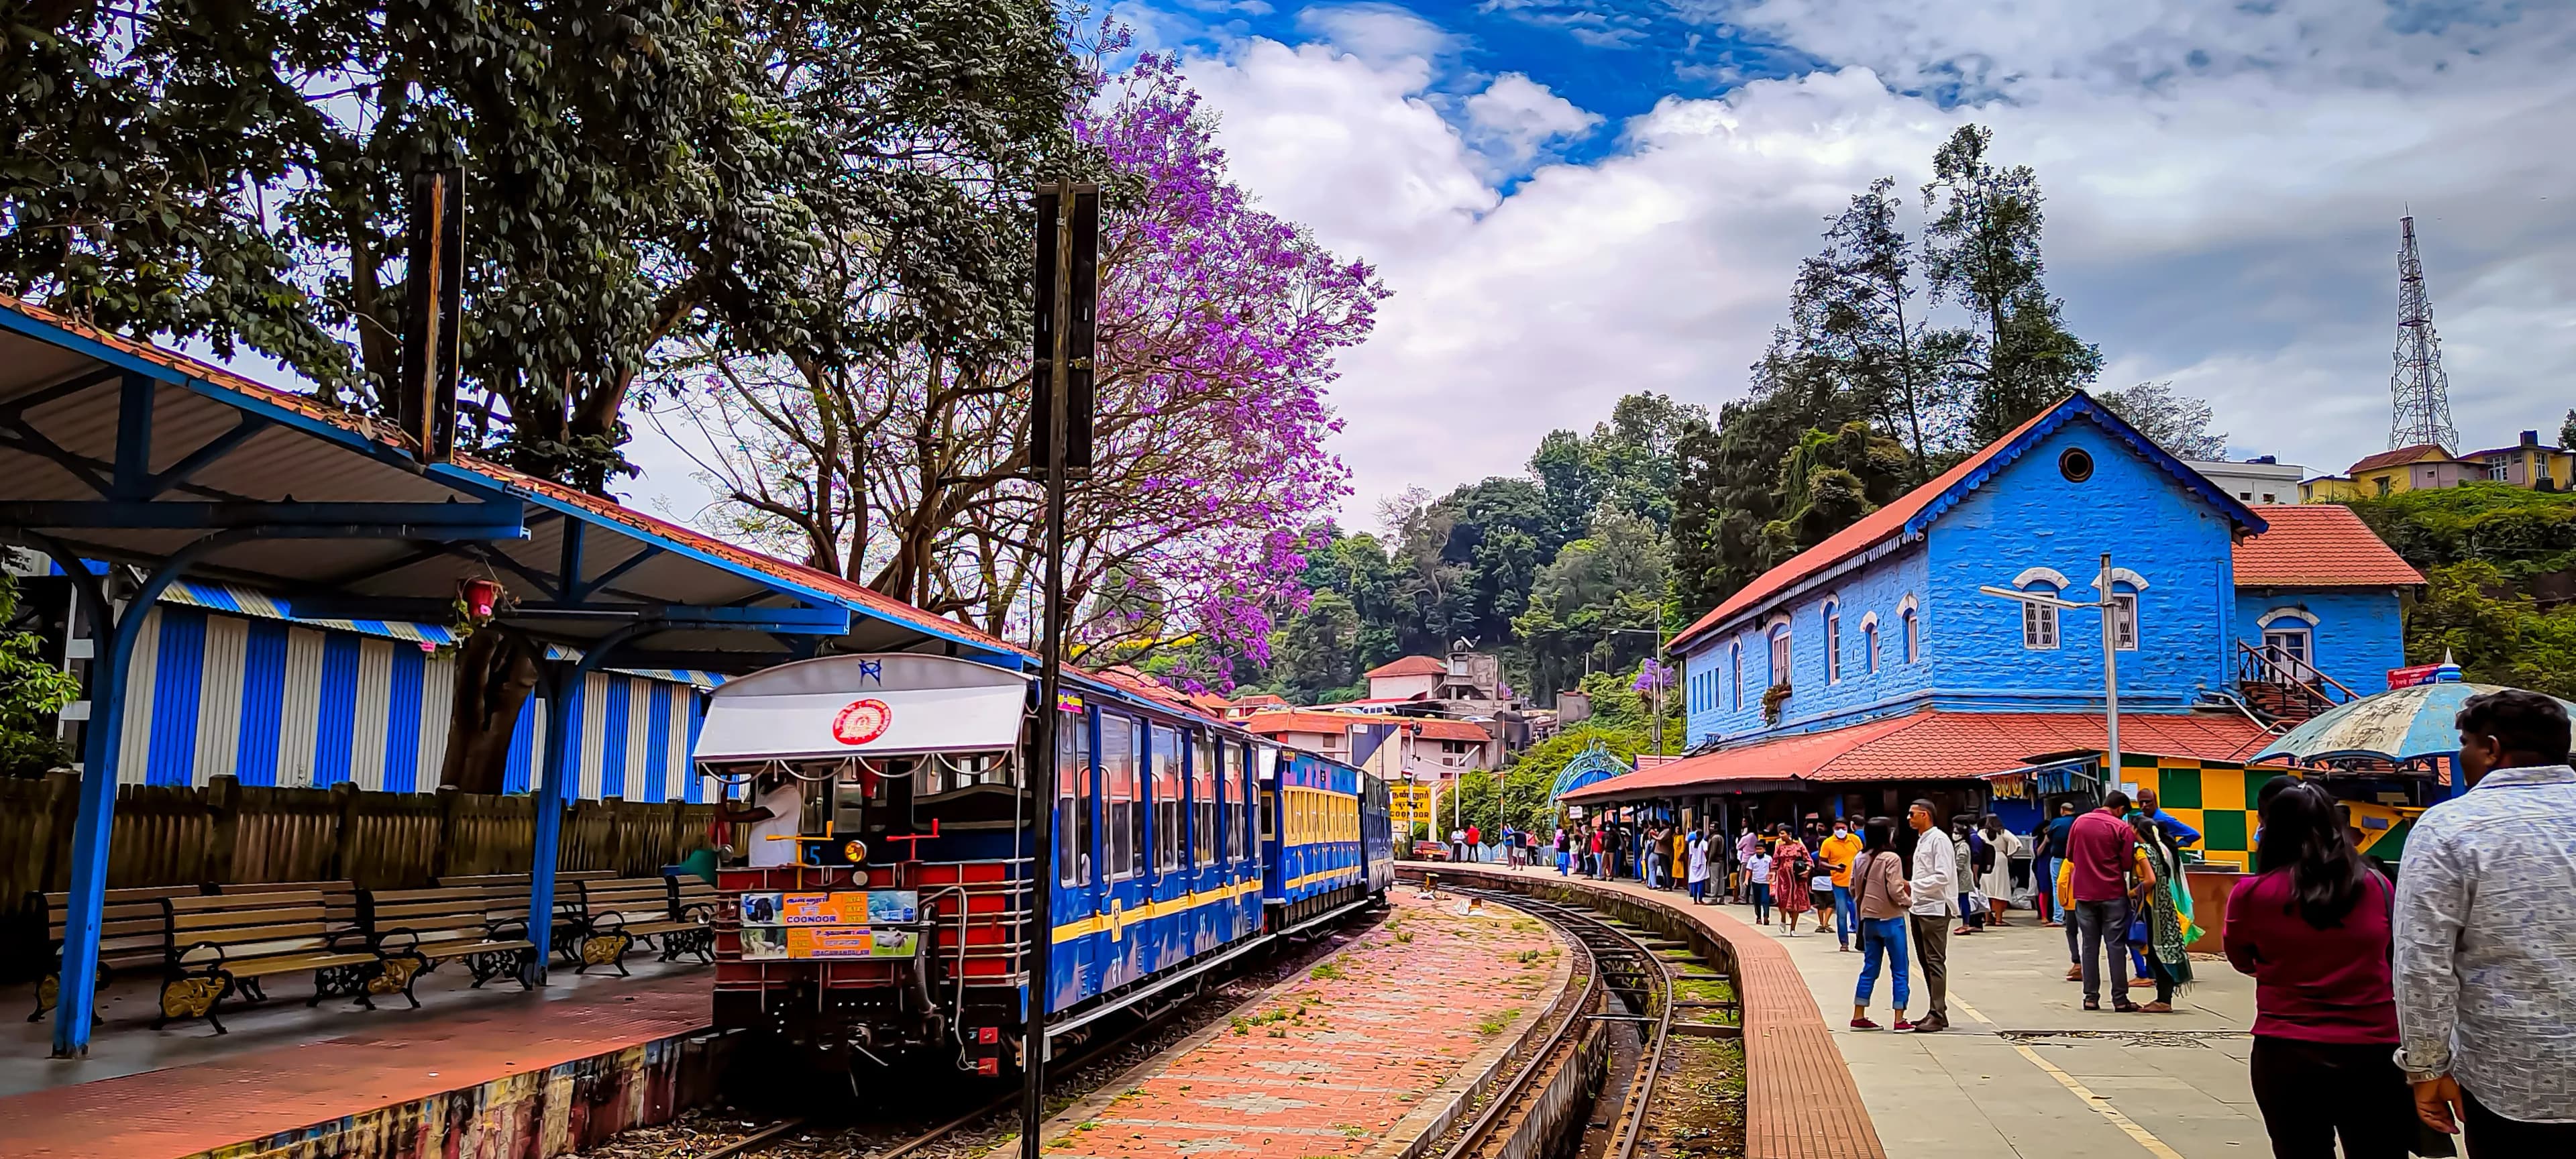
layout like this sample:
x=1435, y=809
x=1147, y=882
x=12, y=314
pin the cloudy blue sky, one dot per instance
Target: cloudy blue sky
x=1575, y=200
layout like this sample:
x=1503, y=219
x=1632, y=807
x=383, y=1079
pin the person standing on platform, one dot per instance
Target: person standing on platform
x=1882, y=893
x=2311, y=926
x=2160, y=923
x=2181, y=836
x=2100, y=851
x=1457, y=845
x=1790, y=893
x=1838, y=853
x=1973, y=856
x=1475, y=844
x=1592, y=852
x=1934, y=878
x=1997, y=881
x=1697, y=859
x=1747, y=843
x=2052, y=850
x=1562, y=851
x=2486, y=937
x=1757, y=885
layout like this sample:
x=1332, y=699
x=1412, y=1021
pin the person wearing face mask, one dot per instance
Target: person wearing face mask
x=1837, y=853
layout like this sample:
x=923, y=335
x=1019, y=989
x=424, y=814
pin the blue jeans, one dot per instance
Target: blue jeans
x=1846, y=915
x=1761, y=901
x=1561, y=857
x=1882, y=935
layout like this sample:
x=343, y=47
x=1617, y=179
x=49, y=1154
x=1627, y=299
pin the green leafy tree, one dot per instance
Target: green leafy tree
x=1983, y=250
x=1598, y=606
x=2567, y=430
x=2475, y=615
x=1857, y=293
x=1827, y=483
x=32, y=689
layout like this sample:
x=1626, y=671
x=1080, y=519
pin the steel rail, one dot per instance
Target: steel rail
x=1472, y=1141
x=1650, y=981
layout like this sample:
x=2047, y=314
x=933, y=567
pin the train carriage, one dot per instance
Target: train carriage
x=894, y=921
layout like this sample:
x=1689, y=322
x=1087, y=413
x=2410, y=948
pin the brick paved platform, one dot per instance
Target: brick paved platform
x=1800, y=1101
x=523, y=1075
x=1359, y=1057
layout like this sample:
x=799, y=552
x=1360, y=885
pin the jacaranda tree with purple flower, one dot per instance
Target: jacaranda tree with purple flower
x=1219, y=324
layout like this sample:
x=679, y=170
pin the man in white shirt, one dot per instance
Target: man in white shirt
x=2486, y=936
x=773, y=817
x=1935, y=874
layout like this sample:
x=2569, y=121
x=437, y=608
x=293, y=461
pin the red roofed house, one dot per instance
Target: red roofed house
x=1879, y=665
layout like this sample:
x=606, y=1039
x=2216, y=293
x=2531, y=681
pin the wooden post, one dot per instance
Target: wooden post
x=441, y=862
x=223, y=829
x=344, y=839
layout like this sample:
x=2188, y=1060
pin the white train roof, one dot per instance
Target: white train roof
x=884, y=704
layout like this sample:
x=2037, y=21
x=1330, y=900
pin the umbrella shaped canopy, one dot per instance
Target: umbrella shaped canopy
x=2404, y=725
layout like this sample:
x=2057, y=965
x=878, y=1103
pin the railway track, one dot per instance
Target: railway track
x=1628, y=986
x=861, y=1141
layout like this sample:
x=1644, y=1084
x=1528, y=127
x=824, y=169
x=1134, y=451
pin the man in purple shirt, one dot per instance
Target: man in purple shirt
x=2098, y=857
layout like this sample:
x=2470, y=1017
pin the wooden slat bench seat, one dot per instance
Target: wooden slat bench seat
x=618, y=913
x=131, y=935
x=424, y=927
x=339, y=898
x=226, y=944
x=506, y=897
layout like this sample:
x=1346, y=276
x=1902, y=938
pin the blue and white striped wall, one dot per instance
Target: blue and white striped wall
x=284, y=704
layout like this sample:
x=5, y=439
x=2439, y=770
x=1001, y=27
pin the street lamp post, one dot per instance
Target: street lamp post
x=2107, y=604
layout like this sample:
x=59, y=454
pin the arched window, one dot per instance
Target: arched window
x=2125, y=586
x=1833, y=641
x=1913, y=635
x=1869, y=642
x=2039, y=621
x=1738, y=665
x=1779, y=655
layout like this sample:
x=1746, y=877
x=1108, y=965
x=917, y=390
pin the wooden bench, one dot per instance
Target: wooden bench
x=131, y=935
x=506, y=897
x=424, y=927
x=226, y=944
x=339, y=898
x=618, y=913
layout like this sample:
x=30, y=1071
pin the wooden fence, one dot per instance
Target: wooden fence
x=226, y=833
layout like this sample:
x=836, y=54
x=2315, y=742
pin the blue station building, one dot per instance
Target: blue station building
x=1876, y=667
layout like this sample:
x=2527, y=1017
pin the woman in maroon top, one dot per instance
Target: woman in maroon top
x=2311, y=925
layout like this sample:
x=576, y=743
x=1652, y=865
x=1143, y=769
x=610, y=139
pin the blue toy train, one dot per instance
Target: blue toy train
x=885, y=908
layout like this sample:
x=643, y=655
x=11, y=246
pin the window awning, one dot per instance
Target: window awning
x=866, y=705
x=241, y=601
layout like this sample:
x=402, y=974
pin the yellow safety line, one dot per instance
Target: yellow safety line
x=2100, y=1105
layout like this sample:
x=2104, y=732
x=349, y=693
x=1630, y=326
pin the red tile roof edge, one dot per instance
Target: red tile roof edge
x=1410, y=666
x=2313, y=545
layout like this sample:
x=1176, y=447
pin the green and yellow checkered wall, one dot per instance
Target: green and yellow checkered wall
x=2213, y=797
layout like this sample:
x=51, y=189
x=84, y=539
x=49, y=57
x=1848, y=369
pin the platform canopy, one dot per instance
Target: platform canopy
x=121, y=451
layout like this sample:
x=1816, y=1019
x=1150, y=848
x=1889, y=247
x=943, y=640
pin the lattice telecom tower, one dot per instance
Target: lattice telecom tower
x=2421, y=392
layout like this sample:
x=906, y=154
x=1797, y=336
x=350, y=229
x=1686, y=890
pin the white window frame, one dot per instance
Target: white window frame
x=2124, y=619
x=2039, y=627
x=1783, y=658
x=1833, y=642
x=1738, y=668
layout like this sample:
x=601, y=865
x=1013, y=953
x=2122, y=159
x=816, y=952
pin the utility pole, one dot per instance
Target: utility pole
x=2108, y=605
x=1067, y=276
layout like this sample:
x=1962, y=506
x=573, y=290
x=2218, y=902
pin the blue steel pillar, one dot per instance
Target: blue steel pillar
x=75, y=1005
x=558, y=686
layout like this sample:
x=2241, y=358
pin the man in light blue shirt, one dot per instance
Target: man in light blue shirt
x=2486, y=937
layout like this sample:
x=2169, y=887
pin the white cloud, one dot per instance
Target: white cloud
x=1517, y=118
x=1377, y=33
x=2223, y=187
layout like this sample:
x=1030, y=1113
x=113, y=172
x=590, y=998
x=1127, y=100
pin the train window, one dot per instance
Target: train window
x=1243, y=801
x=1073, y=799
x=1269, y=815
x=1204, y=846
x=1165, y=756
x=1120, y=820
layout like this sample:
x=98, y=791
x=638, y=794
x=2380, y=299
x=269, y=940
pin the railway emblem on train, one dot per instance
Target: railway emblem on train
x=862, y=721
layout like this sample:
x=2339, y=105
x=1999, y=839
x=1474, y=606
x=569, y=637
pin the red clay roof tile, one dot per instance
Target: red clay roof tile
x=1933, y=745
x=2318, y=545
x=1411, y=666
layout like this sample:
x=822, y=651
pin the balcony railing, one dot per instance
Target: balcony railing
x=2301, y=690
